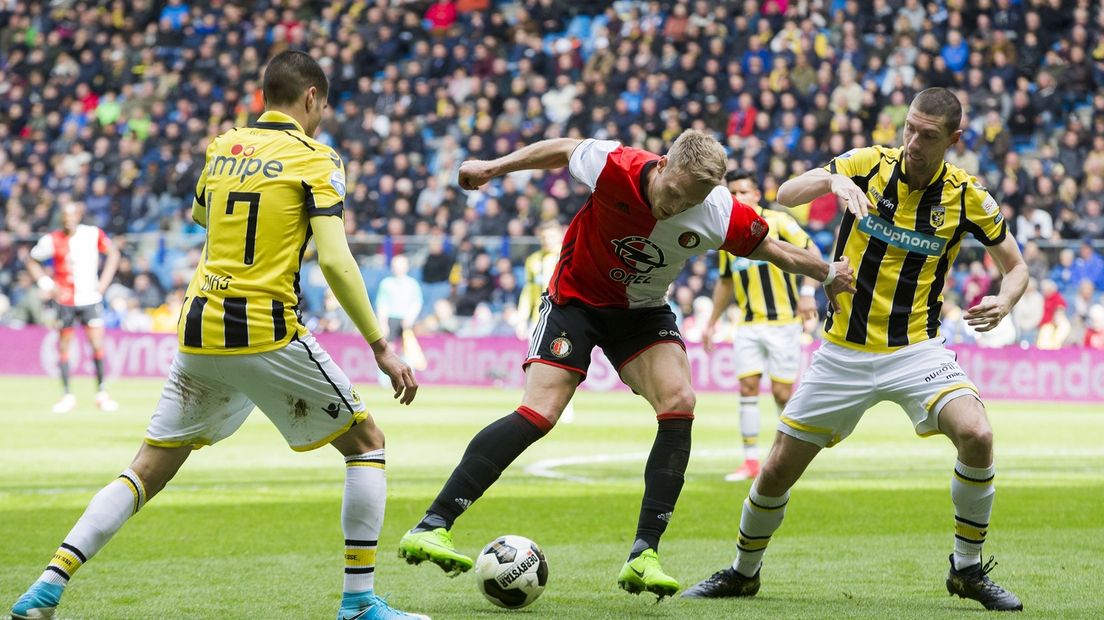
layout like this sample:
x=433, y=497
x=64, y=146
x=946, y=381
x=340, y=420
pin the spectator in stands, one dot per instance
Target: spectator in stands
x=1088, y=265
x=1063, y=274
x=1094, y=334
x=1028, y=313
x=413, y=91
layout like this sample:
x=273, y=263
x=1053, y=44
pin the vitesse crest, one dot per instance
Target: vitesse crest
x=938, y=216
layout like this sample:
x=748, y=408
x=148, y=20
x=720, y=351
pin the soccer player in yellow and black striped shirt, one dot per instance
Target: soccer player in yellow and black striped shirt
x=264, y=192
x=772, y=307
x=907, y=213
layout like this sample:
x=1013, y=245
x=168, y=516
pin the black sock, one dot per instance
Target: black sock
x=63, y=368
x=99, y=373
x=489, y=452
x=663, y=477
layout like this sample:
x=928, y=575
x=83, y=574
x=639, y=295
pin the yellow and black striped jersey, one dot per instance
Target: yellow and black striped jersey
x=539, y=267
x=901, y=252
x=258, y=189
x=765, y=293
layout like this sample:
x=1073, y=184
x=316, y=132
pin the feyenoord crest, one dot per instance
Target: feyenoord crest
x=938, y=215
x=689, y=240
x=560, y=347
x=757, y=228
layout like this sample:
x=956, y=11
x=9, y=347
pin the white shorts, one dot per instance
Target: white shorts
x=773, y=348
x=842, y=383
x=299, y=387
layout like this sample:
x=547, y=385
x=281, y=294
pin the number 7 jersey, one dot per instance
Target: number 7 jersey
x=259, y=188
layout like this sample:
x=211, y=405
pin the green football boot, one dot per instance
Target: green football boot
x=435, y=546
x=644, y=574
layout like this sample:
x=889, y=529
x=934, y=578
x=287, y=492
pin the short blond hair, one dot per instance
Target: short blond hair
x=699, y=155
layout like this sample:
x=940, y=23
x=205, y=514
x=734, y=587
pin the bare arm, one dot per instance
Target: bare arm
x=36, y=271
x=988, y=313
x=722, y=297
x=798, y=260
x=543, y=155
x=818, y=182
x=110, y=266
x=343, y=275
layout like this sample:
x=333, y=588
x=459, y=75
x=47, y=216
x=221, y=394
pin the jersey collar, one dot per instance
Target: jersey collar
x=278, y=121
x=643, y=182
x=938, y=176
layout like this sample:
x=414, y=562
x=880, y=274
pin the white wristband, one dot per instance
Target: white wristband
x=831, y=274
x=46, y=283
x=808, y=291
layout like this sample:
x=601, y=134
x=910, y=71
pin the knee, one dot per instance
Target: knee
x=977, y=436
x=681, y=399
x=782, y=393
x=749, y=388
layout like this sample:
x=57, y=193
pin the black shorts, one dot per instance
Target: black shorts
x=88, y=316
x=566, y=334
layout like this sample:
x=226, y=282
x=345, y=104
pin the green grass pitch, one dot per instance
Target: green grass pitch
x=250, y=529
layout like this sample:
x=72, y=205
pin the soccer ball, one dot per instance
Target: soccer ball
x=511, y=571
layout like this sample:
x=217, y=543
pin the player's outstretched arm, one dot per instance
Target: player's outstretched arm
x=837, y=277
x=989, y=312
x=543, y=155
x=818, y=182
x=343, y=275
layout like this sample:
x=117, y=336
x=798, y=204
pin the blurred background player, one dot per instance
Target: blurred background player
x=75, y=252
x=399, y=301
x=264, y=191
x=539, y=267
x=772, y=309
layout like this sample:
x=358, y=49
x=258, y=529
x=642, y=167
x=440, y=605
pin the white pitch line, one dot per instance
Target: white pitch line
x=549, y=468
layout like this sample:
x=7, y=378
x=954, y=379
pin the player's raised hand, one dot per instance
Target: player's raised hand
x=854, y=199
x=401, y=375
x=987, y=314
x=475, y=173
x=844, y=282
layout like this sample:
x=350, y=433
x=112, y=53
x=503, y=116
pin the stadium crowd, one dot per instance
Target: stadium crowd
x=112, y=103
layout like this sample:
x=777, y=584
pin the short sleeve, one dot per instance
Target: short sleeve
x=853, y=163
x=746, y=230
x=324, y=185
x=103, y=242
x=589, y=159
x=724, y=264
x=44, y=249
x=791, y=232
x=983, y=215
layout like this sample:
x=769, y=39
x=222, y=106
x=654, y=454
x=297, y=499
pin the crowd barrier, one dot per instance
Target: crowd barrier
x=1065, y=375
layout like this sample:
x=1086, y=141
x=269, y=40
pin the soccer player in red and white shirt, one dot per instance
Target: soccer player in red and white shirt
x=78, y=287
x=645, y=217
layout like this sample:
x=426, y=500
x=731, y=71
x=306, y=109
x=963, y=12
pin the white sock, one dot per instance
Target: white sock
x=972, y=493
x=362, y=518
x=760, y=518
x=749, y=426
x=105, y=515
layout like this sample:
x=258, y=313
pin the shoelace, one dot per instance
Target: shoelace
x=984, y=571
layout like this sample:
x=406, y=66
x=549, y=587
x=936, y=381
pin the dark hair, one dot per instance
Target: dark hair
x=940, y=102
x=291, y=73
x=740, y=174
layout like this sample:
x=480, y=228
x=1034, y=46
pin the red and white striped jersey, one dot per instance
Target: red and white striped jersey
x=76, y=263
x=616, y=254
